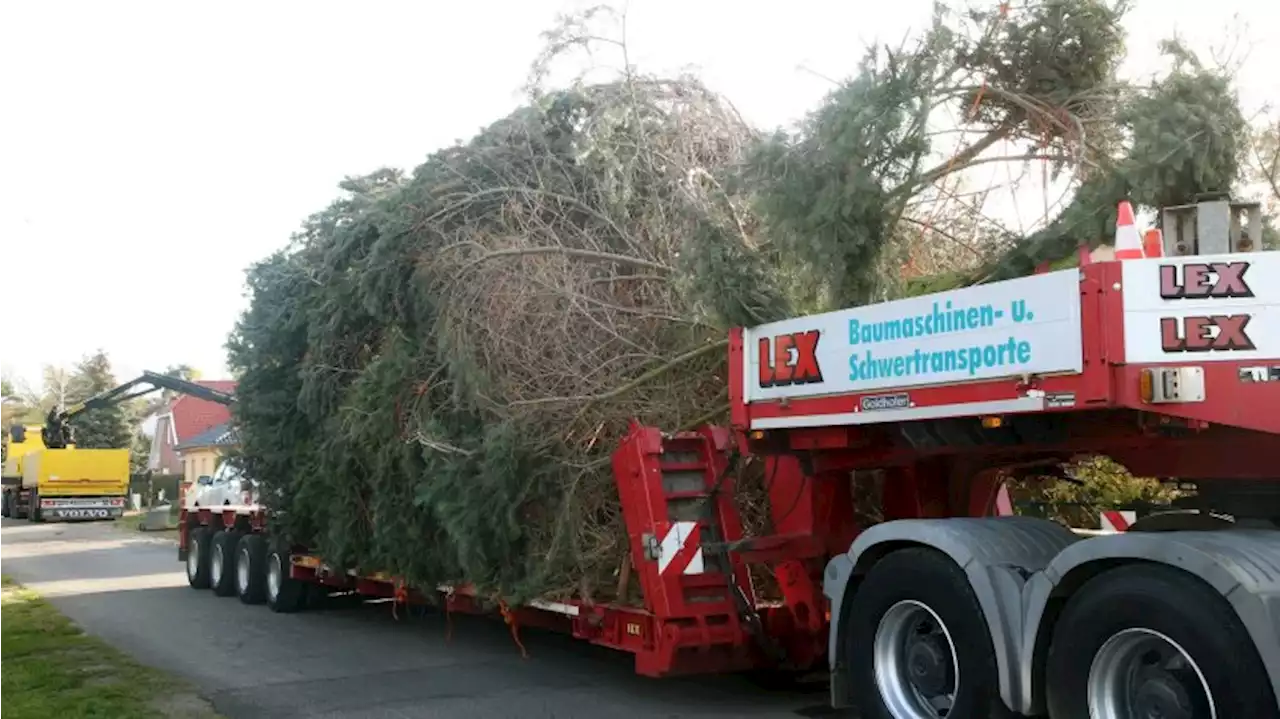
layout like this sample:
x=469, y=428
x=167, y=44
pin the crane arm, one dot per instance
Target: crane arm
x=57, y=434
x=157, y=381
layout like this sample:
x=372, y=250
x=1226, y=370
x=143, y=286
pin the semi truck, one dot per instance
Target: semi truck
x=1168, y=362
x=46, y=477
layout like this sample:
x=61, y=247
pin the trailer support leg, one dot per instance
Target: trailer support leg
x=678, y=504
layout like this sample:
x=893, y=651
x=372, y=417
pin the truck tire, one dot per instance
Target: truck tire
x=198, y=548
x=222, y=563
x=1181, y=520
x=33, y=507
x=5, y=504
x=251, y=569
x=285, y=594
x=1177, y=634
x=917, y=644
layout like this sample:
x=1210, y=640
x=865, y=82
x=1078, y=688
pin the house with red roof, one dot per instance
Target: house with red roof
x=186, y=418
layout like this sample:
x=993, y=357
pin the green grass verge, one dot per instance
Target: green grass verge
x=53, y=670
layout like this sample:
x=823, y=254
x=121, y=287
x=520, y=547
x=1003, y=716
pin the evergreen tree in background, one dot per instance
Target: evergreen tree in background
x=17, y=407
x=103, y=427
x=11, y=406
x=140, y=452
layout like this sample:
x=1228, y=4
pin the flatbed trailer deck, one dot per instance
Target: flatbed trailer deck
x=1169, y=365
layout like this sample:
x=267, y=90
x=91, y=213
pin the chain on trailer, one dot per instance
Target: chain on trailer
x=747, y=610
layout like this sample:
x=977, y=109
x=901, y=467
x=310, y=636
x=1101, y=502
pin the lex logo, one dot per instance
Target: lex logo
x=1204, y=280
x=790, y=359
x=1208, y=333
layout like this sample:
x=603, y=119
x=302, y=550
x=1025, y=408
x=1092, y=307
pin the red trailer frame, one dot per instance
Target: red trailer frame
x=947, y=457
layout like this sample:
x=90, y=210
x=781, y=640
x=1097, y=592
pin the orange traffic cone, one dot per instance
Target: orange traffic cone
x=1153, y=243
x=1128, y=243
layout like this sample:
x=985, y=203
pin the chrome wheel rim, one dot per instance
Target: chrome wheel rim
x=275, y=575
x=215, y=566
x=193, y=560
x=916, y=669
x=242, y=571
x=1140, y=673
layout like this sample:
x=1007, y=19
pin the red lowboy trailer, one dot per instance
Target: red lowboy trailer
x=1170, y=365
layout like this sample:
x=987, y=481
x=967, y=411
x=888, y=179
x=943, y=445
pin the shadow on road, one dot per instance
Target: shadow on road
x=355, y=662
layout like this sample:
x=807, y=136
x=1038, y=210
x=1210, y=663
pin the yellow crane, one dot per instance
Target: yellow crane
x=47, y=477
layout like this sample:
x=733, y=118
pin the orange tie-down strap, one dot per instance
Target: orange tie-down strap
x=399, y=595
x=509, y=617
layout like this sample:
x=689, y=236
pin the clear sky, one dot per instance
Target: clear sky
x=152, y=150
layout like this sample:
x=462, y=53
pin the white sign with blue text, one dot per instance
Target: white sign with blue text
x=1029, y=325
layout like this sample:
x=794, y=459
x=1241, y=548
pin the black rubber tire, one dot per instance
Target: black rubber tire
x=199, y=541
x=251, y=552
x=224, y=543
x=33, y=507
x=4, y=505
x=933, y=579
x=293, y=594
x=317, y=597
x=1181, y=521
x=1177, y=605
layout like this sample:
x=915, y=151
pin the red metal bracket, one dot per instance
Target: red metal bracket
x=677, y=502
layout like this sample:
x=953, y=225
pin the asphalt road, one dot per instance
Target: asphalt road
x=347, y=663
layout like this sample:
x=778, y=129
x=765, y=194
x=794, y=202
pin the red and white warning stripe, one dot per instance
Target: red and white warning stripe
x=1004, y=505
x=679, y=538
x=1118, y=520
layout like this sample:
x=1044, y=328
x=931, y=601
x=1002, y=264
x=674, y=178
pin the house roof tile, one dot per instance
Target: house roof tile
x=217, y=436
x=192, y=415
